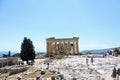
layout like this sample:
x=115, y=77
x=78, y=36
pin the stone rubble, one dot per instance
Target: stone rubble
x=75, y=68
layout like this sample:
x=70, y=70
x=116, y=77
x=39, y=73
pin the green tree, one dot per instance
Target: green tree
x=27, y=50
x=9, y=54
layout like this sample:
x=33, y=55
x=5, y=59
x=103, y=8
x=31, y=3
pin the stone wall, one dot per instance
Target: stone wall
x=8, y=61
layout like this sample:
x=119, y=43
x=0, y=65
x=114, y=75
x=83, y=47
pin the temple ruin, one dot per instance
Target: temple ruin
x=62, y=45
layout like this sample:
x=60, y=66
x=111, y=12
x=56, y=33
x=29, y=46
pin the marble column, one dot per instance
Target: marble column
x=47, y=47
x=73, y=47
x=55, y=47
x=77, y=51
x=69, y=48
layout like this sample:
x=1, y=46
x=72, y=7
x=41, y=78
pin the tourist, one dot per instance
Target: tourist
x=87, y=61
x=18, y=78
x=5, y=78
x=118, y=73
x=114, y=73
x=92, y=59
x=48, y=65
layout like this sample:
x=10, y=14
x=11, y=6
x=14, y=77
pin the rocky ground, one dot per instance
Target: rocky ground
x=73, y=67
x=76, y=67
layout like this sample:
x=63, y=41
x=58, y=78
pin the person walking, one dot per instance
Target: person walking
x=118, y=73
x=87, y=61
x=114, y=73
x=92, y=59
x=48, y=65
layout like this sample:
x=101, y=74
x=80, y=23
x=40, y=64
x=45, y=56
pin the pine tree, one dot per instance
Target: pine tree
x=27, y=50
x=9, y=54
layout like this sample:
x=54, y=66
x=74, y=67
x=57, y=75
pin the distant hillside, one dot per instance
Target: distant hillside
x=3, y=52
x=6, y=53
x=101, y=51
x=97, y=51
x=12, y=53
x=40, y=52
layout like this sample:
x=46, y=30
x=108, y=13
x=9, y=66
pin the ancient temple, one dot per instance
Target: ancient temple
x=62, y=45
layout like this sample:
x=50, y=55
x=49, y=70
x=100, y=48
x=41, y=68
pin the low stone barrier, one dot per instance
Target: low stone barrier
x=13, y=70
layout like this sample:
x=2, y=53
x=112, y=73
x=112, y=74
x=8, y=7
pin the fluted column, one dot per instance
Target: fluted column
x=73, y=47
x=48, y=47
x=69, y=48
x=77, y=47
x=55, y=47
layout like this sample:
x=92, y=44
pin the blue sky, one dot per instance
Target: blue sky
x=95, y=22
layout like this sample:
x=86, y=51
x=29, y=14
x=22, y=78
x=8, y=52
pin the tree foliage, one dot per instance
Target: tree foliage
x=27, y=50
x=9, y=53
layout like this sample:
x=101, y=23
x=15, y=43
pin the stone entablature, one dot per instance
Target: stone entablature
x=62, y=45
